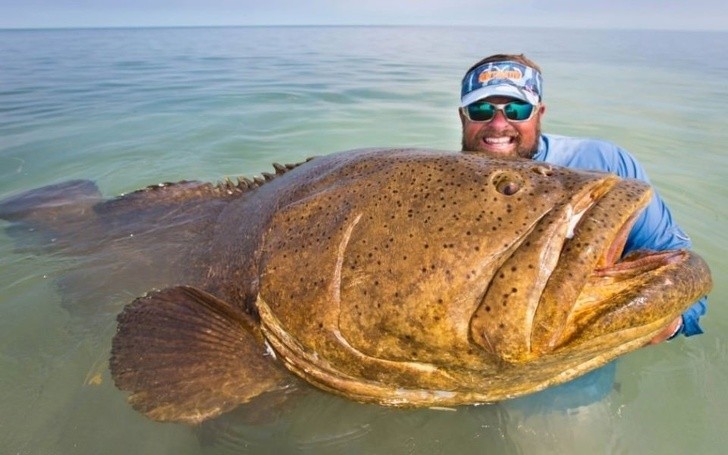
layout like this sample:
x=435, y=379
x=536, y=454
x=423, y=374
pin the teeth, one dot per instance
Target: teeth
x=498, y=140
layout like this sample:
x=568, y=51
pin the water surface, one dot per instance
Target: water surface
x=132, y=107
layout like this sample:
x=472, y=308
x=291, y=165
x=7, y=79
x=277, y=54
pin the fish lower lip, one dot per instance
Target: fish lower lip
x=639, y=262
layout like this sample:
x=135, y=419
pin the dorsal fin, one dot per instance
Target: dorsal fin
x=245, y=183
x=189, y=190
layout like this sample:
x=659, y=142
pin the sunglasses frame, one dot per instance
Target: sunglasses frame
x=499, y=108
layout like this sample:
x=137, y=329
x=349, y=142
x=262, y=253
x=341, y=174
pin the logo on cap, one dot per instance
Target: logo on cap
x=496, y=73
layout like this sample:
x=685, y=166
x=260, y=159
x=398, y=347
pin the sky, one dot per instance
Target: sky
x=627, y=14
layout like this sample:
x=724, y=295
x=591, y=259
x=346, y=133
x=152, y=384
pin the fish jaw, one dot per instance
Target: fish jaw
x=610, y=305
x=526, y=307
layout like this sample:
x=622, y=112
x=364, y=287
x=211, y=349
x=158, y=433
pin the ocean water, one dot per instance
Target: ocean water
x=132, y=107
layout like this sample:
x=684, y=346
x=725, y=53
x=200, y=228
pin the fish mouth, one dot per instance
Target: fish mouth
x=594, y=249
x=623, y=275
x=525, y=309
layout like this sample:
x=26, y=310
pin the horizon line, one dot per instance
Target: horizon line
x=564, y=27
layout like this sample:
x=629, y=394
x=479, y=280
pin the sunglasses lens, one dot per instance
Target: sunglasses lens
x=481, y=112
x=518, y=111
x=515, y=110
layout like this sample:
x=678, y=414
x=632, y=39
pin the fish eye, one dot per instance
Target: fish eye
x=506, y=184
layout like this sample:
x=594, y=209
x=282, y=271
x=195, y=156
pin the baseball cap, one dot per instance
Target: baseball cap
x=508, y=78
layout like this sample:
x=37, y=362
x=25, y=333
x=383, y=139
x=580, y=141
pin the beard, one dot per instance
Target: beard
x=523, y=150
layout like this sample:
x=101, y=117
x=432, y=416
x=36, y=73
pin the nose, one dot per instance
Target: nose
x=499, y=119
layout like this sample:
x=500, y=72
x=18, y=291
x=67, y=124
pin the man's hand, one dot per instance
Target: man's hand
x=668, y=331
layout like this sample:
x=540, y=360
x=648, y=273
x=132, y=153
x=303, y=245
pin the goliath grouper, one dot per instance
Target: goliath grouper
x=398, y=277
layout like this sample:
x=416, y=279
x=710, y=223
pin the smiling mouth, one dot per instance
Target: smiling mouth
x=499, y=144
x=499, y=141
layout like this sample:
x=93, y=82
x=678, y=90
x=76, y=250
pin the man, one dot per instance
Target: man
x=501, y=110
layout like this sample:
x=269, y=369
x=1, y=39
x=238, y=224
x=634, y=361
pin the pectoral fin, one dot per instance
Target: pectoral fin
x=187, y=356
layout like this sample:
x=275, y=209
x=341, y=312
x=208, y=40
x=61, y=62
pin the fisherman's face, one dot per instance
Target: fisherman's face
x=500, y=135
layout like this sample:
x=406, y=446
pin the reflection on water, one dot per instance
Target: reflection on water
x=325, y=424
x=319, y=423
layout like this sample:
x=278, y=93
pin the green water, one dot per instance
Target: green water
x=132, y=107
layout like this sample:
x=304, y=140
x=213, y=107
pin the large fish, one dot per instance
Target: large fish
x=398, y=277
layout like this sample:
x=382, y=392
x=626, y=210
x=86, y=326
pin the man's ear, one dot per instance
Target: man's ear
x=462, y=116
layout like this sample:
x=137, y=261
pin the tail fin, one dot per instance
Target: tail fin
x=53, y=204
x=187, y=356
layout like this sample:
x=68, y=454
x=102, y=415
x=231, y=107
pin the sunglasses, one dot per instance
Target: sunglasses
x=515, y=111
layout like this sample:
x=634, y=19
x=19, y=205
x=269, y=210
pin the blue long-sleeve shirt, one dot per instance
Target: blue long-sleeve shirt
x=654, y=228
